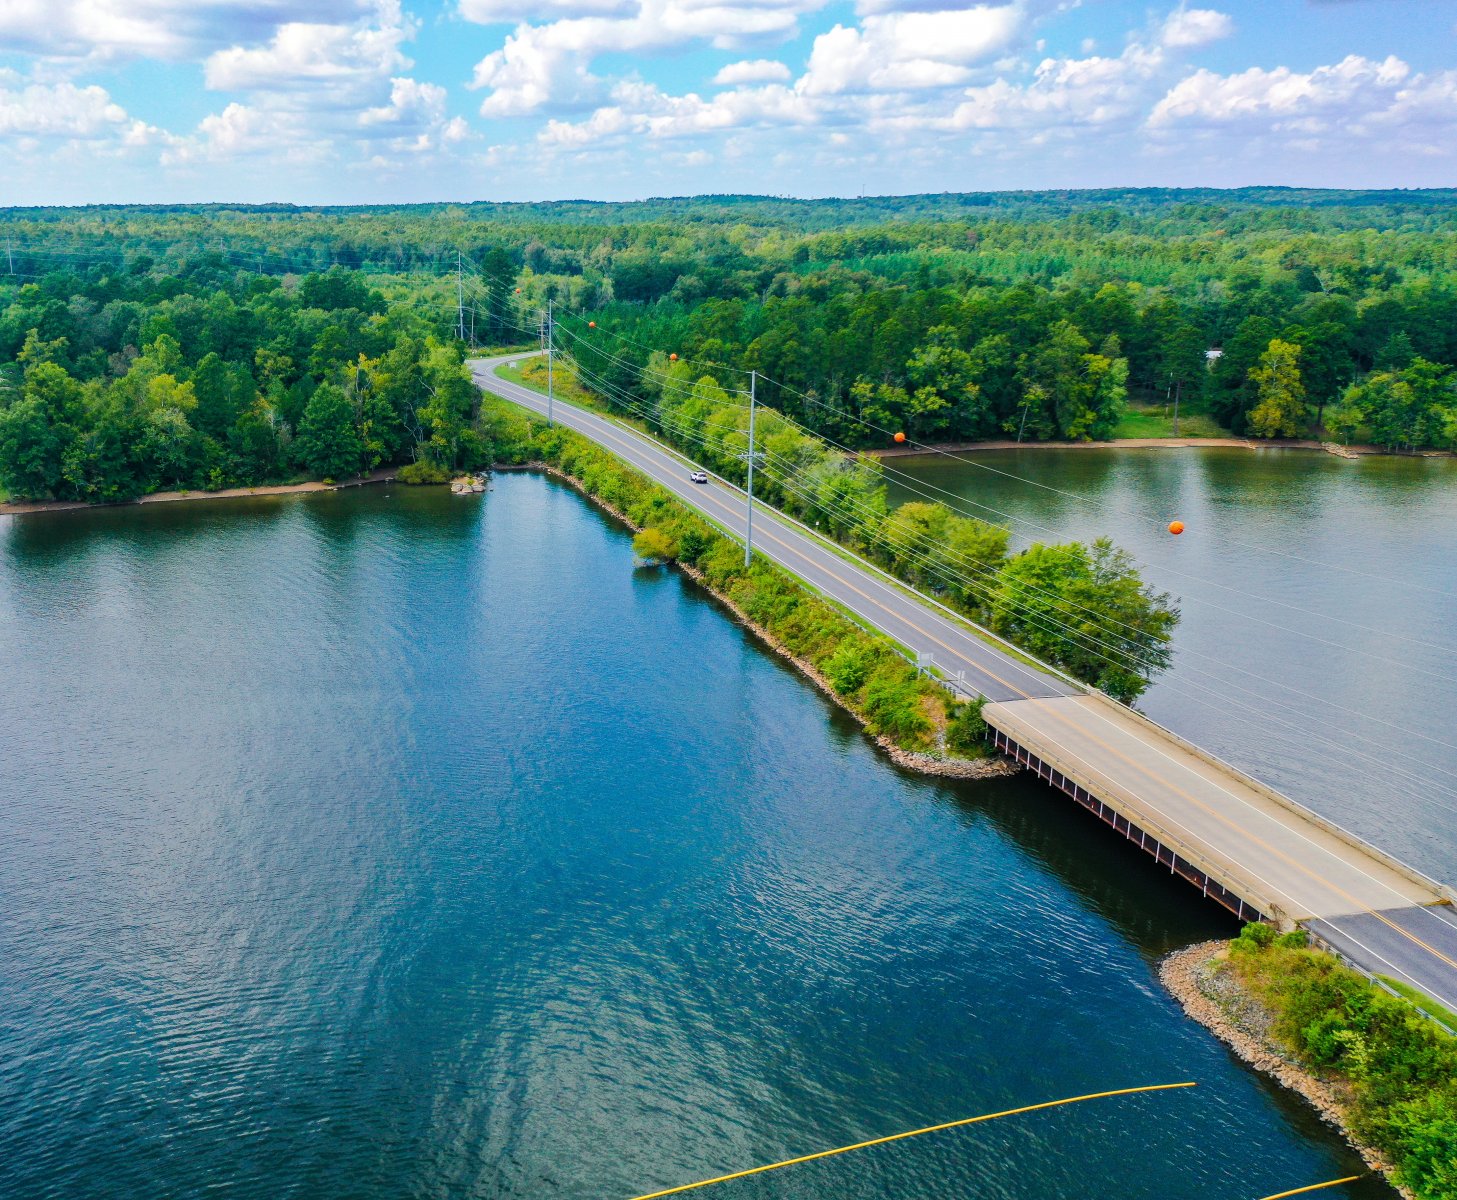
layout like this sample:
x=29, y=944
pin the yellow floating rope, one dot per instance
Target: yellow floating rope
x=896, y=1137
x=1313, y=1187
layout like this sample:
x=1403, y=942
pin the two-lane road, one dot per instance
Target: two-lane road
x=867, y=592
x=1276, y=856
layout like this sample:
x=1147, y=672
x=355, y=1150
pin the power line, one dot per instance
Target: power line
x=1044, y=621
x=937, y=450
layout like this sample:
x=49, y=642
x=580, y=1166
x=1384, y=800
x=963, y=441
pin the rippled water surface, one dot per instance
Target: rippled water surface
x=1318, y=645
x=388, y=844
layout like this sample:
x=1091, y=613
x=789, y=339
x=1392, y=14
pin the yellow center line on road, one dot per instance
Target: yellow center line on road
x=802, y=556
x=1253, y=837
x=642, y=445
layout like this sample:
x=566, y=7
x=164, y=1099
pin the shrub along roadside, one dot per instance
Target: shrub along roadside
x=1401, y=1068
x=1083, y=608
x=864, y=670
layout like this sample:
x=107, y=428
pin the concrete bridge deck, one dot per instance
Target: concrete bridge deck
x=1247, y=846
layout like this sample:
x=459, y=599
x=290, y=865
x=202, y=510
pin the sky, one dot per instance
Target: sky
x=384, y=101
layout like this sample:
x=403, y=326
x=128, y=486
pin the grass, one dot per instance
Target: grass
x=1443, y=1014
x=1159, y=423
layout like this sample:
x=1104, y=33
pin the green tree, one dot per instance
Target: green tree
x=38, y=431
x=451, y=398
x=653, y=545
x=1280, y=407
x=946, y=393
x=1086, y=610
x=1230, y=390
x=224, y=392
x=167, y=444
x=1407, y=408
x=328, y=444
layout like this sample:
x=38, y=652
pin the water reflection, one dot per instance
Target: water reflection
x=486, y=866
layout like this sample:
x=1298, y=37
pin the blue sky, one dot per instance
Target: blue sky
x=364, y=101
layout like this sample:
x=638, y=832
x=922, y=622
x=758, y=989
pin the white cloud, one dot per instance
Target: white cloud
x=318, y=90
x=758, y=70
x=411, y=102
x=241, y=131
x=911, y=50
x=346, y=61
x=1353, y=87
x=172, y=30
x=1188, y=27
x=642, y=110
x=59, y=111
x=547, y=68
x=535, y=70
x=499, y=12
x=1064, y=94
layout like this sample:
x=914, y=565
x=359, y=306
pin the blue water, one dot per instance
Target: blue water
x=1317, y=647
x=390, y=844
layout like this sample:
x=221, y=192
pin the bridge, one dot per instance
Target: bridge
x=1244, y=845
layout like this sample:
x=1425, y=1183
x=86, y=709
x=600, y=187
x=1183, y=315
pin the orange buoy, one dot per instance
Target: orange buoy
x=1176, y=527
x=900, y=437
x=672, y=358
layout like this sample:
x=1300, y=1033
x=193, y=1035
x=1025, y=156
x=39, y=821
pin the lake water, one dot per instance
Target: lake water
x=388, y=844
x=1318, y=645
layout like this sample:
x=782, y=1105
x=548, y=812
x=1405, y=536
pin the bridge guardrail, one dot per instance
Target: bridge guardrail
x=1441, y=890
x=1220, y=873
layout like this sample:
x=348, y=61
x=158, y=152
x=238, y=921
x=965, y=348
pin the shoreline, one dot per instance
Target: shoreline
x=1215, y=1000
x=24, y=507
x=994, y=766
x=1170, y=443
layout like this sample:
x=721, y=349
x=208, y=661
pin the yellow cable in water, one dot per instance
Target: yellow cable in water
x=1313, y=1187
x=896, y=1137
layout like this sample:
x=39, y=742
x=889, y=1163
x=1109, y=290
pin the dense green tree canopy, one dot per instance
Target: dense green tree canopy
x=123, y=382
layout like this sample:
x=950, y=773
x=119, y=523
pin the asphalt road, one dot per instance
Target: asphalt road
x=945, y=640
x=1279, y=859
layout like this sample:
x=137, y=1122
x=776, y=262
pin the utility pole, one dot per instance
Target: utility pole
x=10, y=255
x=459, y=297
x=1178, y=391
x=550, y=355
x=749, y=540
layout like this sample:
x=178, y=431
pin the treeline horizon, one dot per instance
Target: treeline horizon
x=955, y=317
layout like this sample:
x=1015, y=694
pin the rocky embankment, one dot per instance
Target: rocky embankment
x=991, y=767
x=1211, y=994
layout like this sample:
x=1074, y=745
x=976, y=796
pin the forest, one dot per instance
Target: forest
x=148, y=348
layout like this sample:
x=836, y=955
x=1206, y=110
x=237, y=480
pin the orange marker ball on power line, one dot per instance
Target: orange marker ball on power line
x=1176, y=527
x=672, y=358
x=900, y=437
x=591, y=324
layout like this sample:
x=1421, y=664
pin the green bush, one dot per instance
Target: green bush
x=893, y=704
x=864, y=670
x=423, y=472
x=1253, y=937
x=653, y=545
x=849, y=666
x=1401, y=1068
x=966, y=733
